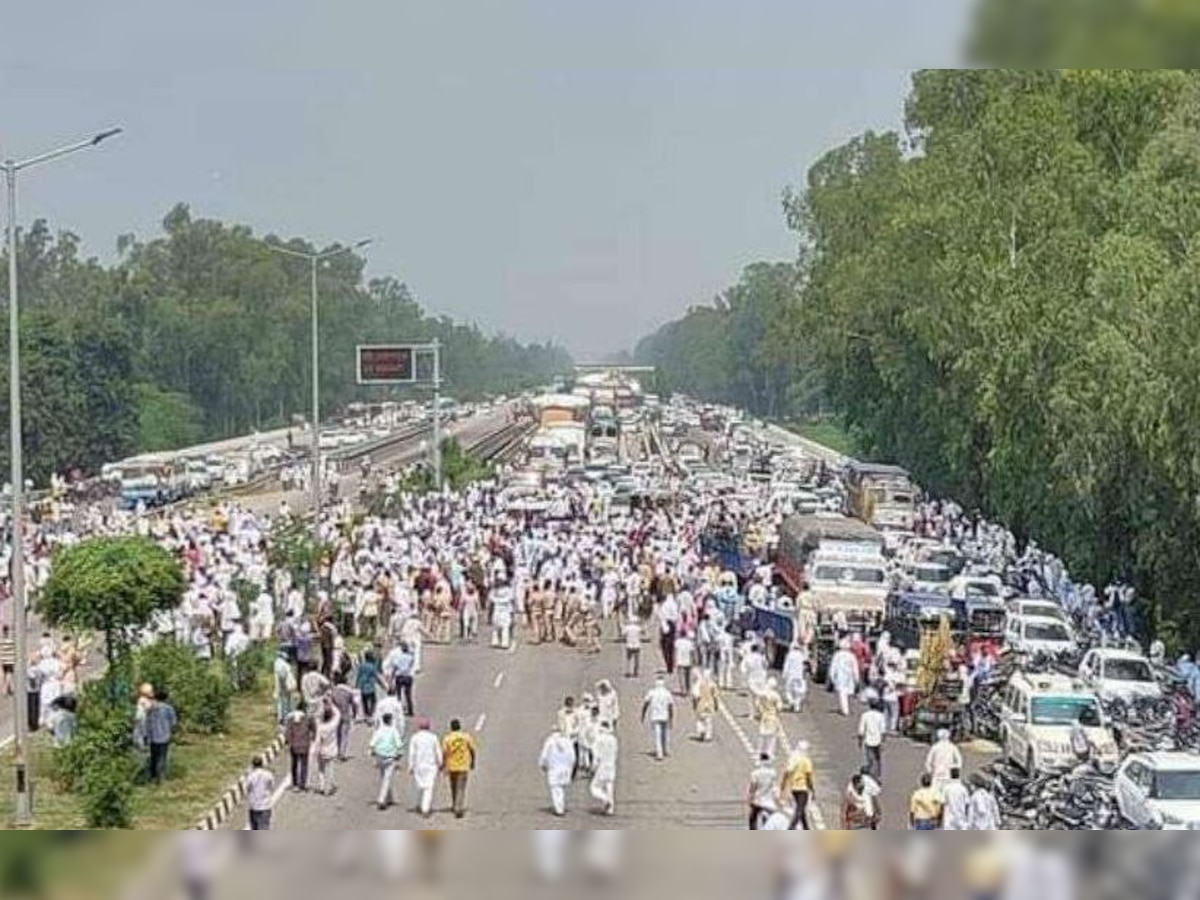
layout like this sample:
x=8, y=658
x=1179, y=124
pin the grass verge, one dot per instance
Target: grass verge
x=202, y=767
x=827, y=434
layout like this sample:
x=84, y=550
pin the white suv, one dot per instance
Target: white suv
x=1119, y=674
x=1160, y=791
x=1038, y=713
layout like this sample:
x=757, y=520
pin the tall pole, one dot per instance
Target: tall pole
x=23, y=765
x=316, y=410
x=437, y=415
x=24, y=810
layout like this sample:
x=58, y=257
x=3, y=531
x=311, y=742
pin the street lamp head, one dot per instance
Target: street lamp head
x=366, y=242
x=106, y=134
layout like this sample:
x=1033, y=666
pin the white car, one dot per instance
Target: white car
x=1039, y=634
x=928, y=578
x=1119, y=674
x=1039, y=713
x=1160, y=791
x=1047, y=609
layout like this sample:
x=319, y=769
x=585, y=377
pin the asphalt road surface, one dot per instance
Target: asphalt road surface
x=508, y=700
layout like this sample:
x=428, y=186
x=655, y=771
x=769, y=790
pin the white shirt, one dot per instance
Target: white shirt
x=660, y=703
x=872, y=726
x=762, y=787
x=957, y=803
x=604, y=755
x=684, y=651
x=260, y=787
x=424, y=753
x=633, y=636
x=557, y=760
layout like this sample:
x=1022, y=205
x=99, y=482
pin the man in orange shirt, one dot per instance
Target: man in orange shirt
x=458, y=759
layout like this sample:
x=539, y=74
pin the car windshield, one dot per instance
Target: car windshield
x=931, y=574
x=1177, y=785
x=1049, y=610
x=983, y=589
x=1046, y=631
x=1065, y=711
x=1127, y=670
x=857, y=574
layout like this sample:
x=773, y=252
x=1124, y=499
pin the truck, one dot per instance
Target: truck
x=881, y=495
x=836, y=568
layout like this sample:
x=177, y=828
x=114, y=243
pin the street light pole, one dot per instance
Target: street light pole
x=316, y=409
x=23, y=770
x=437, y=415
x=314, y=260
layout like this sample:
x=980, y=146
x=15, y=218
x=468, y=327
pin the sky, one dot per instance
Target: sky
x=553, y=169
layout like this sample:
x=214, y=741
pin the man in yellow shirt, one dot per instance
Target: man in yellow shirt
x=458, y=760
x=797, y=783
x=925, y=808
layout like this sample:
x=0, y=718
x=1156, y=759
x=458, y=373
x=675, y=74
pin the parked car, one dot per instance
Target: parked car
x=1119, y=674
x=1039, y=712
x=1160, y=791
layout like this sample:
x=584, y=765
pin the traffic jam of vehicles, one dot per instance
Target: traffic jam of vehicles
x=1085, y=728
x=155, y=480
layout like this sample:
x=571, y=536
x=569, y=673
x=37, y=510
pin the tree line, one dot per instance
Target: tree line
x=1005, y=298
x=203, y=332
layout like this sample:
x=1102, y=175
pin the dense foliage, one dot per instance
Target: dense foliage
x=203, y=332
x=1005, y=299
x=743, y=349
x=112, y=585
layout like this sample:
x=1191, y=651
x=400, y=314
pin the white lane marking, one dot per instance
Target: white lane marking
x=499, y=680
x=480, y=722
x=814, y=811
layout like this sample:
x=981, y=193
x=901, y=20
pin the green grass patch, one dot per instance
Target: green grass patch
x=201, y=768
x=827, y=434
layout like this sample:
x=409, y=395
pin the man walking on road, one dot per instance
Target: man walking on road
x=424, y=763
x=668, y=625
x=557, y=761
x=660, y=706
x=798, y=782
x=633, y=646
x=458, y=756
x=299, y=732
x=386, y=747
x=260, y=788
x=872, y=729
x=761, y=795
x=604, y=760
x=399, y=669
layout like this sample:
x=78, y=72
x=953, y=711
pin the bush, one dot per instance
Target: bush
x=100, y=764
x=107, y=792
x=245, y=669
x=200, y=691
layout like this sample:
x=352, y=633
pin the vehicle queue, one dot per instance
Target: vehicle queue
x=995, y=641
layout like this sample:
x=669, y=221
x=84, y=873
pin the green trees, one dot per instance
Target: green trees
x=111, y=585
x=203, y=332
x=742, y=349
x=1003, y=298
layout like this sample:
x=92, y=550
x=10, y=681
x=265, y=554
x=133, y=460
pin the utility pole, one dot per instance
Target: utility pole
x=437, y=414
x=23, y=769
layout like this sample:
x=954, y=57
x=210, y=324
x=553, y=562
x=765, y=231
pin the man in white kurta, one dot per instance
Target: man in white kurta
x=942, y=759
x=558, y=762
x=424, y=763
x=604, y=759
x=795, y=678
x=843, y=675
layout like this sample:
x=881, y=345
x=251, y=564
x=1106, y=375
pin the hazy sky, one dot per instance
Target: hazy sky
x=552, y=168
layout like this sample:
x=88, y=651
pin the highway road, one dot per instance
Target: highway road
x=508, y=700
